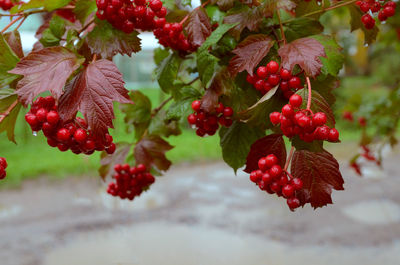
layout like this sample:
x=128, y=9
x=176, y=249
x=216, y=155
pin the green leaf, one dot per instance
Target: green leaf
x=107, y=41
x=8, y=61
x=161, y=125
x=236, y=142
x=160, y=54
x=48, y=39
x=215, y=14
x=334, y=59
x=215, y=36
x=7, y=99
x=137, y=115
x=57, y=26
x=304, y=8
x=356, y=14
x=302, y=27
x=49, y=5
x=167, y=72
x=207, y=65
x=13, y=39
x=182, y=106
x=83, y=9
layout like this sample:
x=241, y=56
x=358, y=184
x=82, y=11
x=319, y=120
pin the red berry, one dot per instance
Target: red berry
x=196, y=105
x=3, y=173
x=294, y=82
x=31, y=119
x=287, y=191
x=303, y=121
x=62, y=147
x=287, y=111
x=389, y=11
x=80, y=135
x=293, y=203
x=364, y=6
x=259, y=85
x=141, y=168
x=273, y=80
x=53, y=117
x=192, y=119
x=319, y=119
x=267, y=178
x=285, y=74
x=250, y=79
x=262, y=72
x=63, y=135
x=255, y=177
x=262, y=164
x=333, y=135
x=52, y=142
x=89, y=145
x=272, y=67
x=275, y=187
x=296, y=183
x=3, y=162
x=296, y=101
x=156, y=5
x=275, y=171
x=271, y=160
x=382, y=15
x=41, y=115
x=220, y=108
x=275, y=118
x=228, y=112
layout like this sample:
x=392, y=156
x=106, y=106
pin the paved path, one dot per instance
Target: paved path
x=200, y=214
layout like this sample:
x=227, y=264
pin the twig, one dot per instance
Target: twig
x=309, y=93
x=281, y=27
x=10, y=24
x=86, y=26
x=156, y=110
x=194, y=80
x=8, y=111
x=20, y=23
x=289, y=158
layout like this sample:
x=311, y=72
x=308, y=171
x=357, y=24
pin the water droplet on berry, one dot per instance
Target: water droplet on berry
x=34, y=133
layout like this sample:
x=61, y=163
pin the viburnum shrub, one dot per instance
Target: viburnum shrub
x=260, y=73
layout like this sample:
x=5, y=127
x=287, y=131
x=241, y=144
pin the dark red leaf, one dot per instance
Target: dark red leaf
x=320, y=174
x=246, y=17
x=45, y=70
x=249, y=53
x=221, y=84
x=14, y=41
x=198, y=27
x=305, y=52
x=150, y=150
x=92, y=92
x=224, y=4
x=271, y=144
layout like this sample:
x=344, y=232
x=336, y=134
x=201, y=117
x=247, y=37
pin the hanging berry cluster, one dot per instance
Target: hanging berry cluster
x=302, y=122
x=171, y=35
x=75, y=135
x=127, y=16
x=269, y=76
x=130, y=181
x=374, y=7
x=271, y=178
x=3, y=166
x=208, y=123
x=6, y=4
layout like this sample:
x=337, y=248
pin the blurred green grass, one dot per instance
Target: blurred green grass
x=32, y=157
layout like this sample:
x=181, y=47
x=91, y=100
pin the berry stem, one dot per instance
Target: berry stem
x=8, y=111
x=10, y=24
x=281, y=27
x=289, y=158
x=156, y=110
x=309, y=94
x=20, y=23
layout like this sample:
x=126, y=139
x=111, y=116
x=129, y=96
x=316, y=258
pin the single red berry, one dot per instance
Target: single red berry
x=296, y=100
x=382, y=15
x=262, y=72
x=273, y=80
x=295, y=82
x=80, y=135
x=156, y=5
x=319, y=119
x=375, y=7
x=118, y=167
x=3, y=162
x=293, y=203
x=271, y=160
x=287, y=111
x=126, y=167
x=141, y=168
x=31, y=119
x=333, y=135
x=192, y=119
x=228, y=112
x=303, y=121
x=364, y=6
x=200, y=132
x=220, y=108
x=63, y=135
x=284, y=86
x=322, y=133
x=89, y=145
x=262, y=164
x=296, y=183
x=62, y=147
x=275, y=118
x=41, y=114
x=196, y=105
x=162, y=12
x=259, y=85
x=287, y=191
x=272, y=67
x=275, y=187
x=53, y=117
x=267, y=178
x=250, y=79
x=275, y=171
x=3, y=173
x=285, y=74
x=389, y=11
x=362, y=121
x=255, y=177
x=52, y=142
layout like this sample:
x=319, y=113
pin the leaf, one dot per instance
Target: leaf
x=246, y=17
x=355, y=22
x=92, y=92
x=182, y=106
x=223, y=4
x=319, y=173
x=198, y=27
x=334, y=59
x=215, y=36
x=302, y=27
x=271, y=144
x=159, y=55
x=49, y=5
x=150, y=151
x=304, y=8
x=8, y=99
x=167, y=72
x=137, y=115
x=107, y=41
x=161, y=125
x=57, y=26
x=286, y=5
x=305, y=52
x=235, y=142
x=266, y=97
x=83, y=9
x=108, y=161
x=207, y=66
x=45, y=70
x=14, y=41
x=249, y=53
x=318, y=104
x=8, y=60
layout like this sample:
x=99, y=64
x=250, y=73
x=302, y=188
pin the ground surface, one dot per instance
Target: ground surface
x=200, y=214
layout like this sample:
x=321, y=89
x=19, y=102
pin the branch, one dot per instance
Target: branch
x=10, y=24
x=156, y=110
x=289, y=158
x=8, y=111
x=309, y=93
x=281, y=27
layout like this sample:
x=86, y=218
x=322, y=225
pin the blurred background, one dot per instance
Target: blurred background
x=54, y=209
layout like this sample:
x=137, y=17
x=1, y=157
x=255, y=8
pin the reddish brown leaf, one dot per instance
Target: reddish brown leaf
x=320, y=174
x=305, y=52
x=271, y=144
x=14, y=41
x=150, y=150
x=223, y=4
x=318, y=104
x=45, y=70
x=198, y=27
x=92, y=92
x=249, y=53
x=246, y=17
x=108, y=161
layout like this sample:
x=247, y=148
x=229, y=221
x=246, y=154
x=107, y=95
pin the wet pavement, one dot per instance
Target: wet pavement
x=200, y=214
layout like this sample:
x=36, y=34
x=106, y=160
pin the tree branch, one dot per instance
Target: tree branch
x=8, y=111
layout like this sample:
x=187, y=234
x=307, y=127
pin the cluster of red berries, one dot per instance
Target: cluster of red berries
x=6, y=4
x=371, y=6
x=308, y=126
x=127, y=15
x=3, y=166
x=171, y=35
x=271, y=178
x=130, y=181
x=75, y=135
x=208, y=123
x=269, y=76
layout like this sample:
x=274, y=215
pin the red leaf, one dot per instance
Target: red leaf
x=221, y=84
x=198, y=27
x=305, y=52
x=92, y=92
x=246, y=17
x=14, y=40
x=271, y=144
x=45, y=70
x=320, y=174
x=249, y=53
x=108, y=161
x=150, y=151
